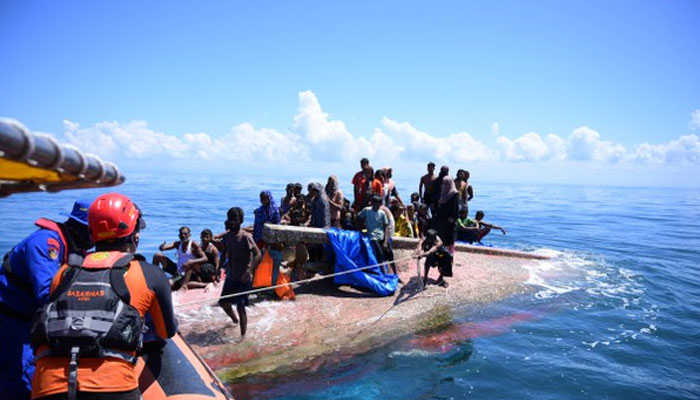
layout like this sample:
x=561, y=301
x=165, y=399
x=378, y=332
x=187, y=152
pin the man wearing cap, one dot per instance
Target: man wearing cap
x=25, y=278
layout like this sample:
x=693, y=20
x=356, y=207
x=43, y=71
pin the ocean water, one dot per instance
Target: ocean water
x=614, y=314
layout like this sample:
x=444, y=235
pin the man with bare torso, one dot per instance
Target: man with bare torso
x=425, y=188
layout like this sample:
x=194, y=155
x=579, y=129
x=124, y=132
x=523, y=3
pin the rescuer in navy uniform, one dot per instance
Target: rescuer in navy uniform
x=25, y=277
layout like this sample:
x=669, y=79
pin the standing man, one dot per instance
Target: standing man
x=377, y=223
x=437, y=189
x=25, y=277
x=243, y=255
x=425, y=188
x=359, y=185
x=88, y=339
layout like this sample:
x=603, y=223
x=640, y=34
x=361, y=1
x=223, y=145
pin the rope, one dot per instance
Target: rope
x=301, y=282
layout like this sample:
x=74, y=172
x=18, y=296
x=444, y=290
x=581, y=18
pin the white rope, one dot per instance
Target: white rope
x=315, y=278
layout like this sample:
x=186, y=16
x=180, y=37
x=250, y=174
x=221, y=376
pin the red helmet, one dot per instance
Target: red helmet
x=113, y=216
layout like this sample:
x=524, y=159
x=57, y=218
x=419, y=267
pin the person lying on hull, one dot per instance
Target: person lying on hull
x=189, y=255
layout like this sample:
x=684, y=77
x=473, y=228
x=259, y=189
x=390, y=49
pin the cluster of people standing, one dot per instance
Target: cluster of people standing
x=439, y=209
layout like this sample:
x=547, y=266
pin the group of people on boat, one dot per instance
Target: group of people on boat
x=437, y=213
x=65, y=333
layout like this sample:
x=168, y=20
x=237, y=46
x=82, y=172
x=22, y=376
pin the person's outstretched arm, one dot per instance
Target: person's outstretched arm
x=492, y=226
x=168, y=246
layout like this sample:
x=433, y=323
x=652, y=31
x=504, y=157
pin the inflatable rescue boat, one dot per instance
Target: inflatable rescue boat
x=29, y=162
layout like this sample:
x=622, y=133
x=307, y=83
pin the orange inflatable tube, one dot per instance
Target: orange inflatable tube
x=171, y=370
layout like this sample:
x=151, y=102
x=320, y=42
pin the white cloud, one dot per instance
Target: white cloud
x=132, y=140
x=531, y=147
x=585, y=144
x=316, y=136
x=695, y=120
x=329, y=138
x=245, y=143
x=420, y=146
x=684, y=150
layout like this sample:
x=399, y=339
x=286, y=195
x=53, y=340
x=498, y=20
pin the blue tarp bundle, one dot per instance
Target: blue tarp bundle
x=352, y=251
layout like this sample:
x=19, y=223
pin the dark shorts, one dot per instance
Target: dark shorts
x=207, y=273
x=232, y=287
x=469, y=236
x=171, y=268
x=378, y=250
x=441, y=259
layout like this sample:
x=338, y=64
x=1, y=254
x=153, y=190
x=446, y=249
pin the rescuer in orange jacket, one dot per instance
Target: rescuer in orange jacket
x=89, y=334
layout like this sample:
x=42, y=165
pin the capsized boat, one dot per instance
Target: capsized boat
x=31, y=162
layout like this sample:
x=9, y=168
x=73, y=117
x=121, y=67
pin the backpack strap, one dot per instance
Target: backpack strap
x=116, y=277
x=69, y=275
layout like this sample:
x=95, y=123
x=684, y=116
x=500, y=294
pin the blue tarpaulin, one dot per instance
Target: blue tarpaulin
x=353, y=250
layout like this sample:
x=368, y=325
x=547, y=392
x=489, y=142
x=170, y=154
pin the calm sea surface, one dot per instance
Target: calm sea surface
x=615, y=314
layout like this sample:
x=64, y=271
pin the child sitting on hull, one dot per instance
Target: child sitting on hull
x=473, y=230
x=436, y=255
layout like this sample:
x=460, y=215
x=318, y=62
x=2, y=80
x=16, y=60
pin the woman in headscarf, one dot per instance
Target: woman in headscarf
x=267, y=212
x=335, y=199
x=320, y=208
x=447, y=212
x=390, y=187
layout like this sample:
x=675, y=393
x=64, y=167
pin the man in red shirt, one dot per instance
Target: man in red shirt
x=359, y=182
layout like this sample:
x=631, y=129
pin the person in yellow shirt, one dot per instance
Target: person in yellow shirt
x=404, y=228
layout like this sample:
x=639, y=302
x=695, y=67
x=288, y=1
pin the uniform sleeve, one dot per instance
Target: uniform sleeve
x=161, y=308
x=43, y=257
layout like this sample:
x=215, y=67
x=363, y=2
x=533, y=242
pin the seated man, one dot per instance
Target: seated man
x=473, y=230
x=189, y=254
x=201, y=275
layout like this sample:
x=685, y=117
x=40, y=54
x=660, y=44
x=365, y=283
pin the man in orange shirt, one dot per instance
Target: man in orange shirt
x=89, y=334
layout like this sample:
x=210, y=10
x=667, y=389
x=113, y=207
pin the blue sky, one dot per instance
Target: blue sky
x=553, y=88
